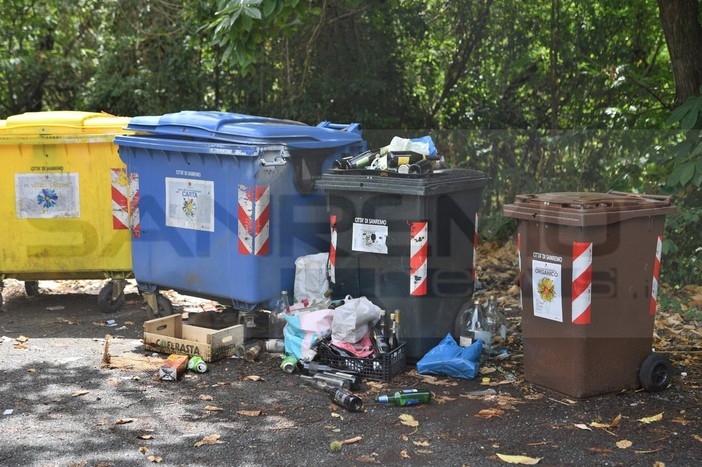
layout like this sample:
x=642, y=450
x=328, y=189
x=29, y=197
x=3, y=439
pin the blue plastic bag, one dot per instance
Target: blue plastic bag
x=450, y=359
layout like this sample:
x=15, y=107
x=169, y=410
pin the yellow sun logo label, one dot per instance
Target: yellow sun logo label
x=546, y=289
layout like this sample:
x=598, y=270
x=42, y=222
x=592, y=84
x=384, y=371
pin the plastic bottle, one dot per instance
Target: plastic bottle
x=406, y=397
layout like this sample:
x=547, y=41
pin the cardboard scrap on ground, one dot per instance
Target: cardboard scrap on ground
x=128, y=360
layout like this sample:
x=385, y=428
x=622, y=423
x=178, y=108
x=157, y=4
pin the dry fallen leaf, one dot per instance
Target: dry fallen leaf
x=155, y=459
x=524, y=460
x=582, y=426
x=21, y=339
x=252, y=378
x=143, y=449
x=654, y=418
x=353, y=440
x=404, y=454
x=209, y=439
x=489, y=413
x=250, y=413
x=124, y=421
x=423, y=442
x=616, y=421
x=624, y=444
x=443, y=399
x=145, y=436
x=368, y=460
x=21, y=346
x=408, y=420
x=79, y=393
x=31, y=370
x=698, y=438
x=436, y=381
x=649, y=451
x=205, y=397
x=423, y=451
x=213, y=408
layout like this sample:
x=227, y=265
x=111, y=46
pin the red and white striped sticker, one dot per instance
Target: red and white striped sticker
x=134, y=220
x=582, y=283
x=475, y=247
x=120, y=208
x=254, y=220
x=331, y=267
x=656, y=276
x=418, y=258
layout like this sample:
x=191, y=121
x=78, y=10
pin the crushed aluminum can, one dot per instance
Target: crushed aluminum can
x=197, y=364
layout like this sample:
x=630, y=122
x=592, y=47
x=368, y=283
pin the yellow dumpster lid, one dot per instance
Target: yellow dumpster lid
x=67, y=122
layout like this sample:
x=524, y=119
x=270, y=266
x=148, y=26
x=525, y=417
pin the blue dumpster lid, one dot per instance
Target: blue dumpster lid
x=241, y=128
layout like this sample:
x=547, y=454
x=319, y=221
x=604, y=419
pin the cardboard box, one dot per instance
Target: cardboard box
x=170, y=335
x=173, y=367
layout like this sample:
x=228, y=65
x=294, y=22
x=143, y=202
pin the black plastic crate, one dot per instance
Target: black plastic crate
x=381, y=368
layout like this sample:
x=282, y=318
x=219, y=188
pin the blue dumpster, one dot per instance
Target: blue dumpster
x=221, y=204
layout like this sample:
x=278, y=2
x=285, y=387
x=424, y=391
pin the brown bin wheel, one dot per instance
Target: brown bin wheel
x=106, y=302
x=165, y=307
x=655, y=373
x=32, y=288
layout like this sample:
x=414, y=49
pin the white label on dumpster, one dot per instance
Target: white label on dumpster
x=190, y=204
x=370, y=235
x=47, y=196
x=546, y=282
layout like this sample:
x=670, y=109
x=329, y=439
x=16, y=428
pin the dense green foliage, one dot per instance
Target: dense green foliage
x=542, y=96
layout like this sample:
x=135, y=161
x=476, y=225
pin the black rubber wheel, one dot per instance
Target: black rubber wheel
x=1, y=300
x=32, y=288
x=655, y=373
x=106, y=302
x=165, y=307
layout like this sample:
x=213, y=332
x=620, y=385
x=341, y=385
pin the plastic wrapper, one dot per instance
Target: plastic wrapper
x=450, y=359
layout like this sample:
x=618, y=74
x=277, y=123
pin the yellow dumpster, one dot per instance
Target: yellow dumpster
x=64, y=198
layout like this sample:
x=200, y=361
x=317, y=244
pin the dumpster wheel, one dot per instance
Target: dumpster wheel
x=165, y=307
x=32, y=288
x=655, y=373
x=106, y=302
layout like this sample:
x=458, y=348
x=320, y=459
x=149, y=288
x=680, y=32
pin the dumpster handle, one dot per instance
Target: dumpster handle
x=273, y=156
x=350, y=127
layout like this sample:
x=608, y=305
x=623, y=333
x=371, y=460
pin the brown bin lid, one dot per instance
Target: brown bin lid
x=584, y=209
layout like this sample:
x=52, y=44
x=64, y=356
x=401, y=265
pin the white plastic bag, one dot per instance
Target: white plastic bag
x=354, y=319
x=311, y=276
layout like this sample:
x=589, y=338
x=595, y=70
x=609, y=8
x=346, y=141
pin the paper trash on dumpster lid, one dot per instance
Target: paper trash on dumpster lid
x=450, y=359
x=311, y=280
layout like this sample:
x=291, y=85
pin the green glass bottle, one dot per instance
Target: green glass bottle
x=406, y=397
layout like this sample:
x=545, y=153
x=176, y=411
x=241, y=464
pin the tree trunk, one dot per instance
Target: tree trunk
x=683, y=34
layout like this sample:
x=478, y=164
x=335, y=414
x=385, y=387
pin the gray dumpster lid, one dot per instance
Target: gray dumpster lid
x=436, y=183
x=584, y=209
x=240, y=128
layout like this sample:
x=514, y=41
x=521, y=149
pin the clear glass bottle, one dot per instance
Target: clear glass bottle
x=475, y=326
x=380, y=343
x=277, y=322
